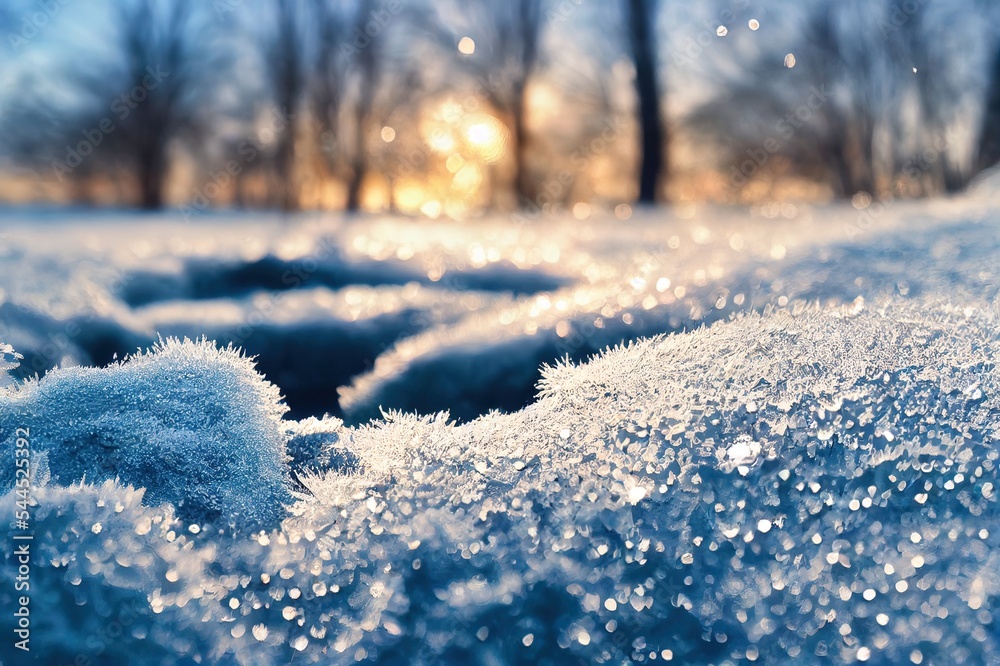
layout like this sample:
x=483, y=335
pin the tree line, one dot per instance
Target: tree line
x=299, y=104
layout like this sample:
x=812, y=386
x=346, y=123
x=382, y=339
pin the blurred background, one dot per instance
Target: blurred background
x=453, y=108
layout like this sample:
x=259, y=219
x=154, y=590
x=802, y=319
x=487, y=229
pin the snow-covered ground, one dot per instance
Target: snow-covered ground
x=794, y=456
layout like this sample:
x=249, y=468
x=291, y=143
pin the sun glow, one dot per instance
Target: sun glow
x=461, y=144
x=486, y=138
x=479, y=134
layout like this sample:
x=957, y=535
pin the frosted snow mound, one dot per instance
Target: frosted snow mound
x=113, y=284
x=403, y=315
x=608, y=521
x=488, y=357
x=193, y=425
x=785, y=486
x=109, y=578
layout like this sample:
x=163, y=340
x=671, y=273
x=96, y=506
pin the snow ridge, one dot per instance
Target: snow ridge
x=787, y=485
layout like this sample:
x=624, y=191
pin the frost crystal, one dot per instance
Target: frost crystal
x=795, y=461
x=744, y=451
x=9, y=360
x=629, y=538
x=193, y=425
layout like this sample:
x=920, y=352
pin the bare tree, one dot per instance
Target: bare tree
x=364, y=66
x=642, y=37
x=816, y=114
x=288, y=79
x=525, y=40
x=117, y=119
x=161, y=72
x=848, y=122
x=989, y=133
x=327, y=83
x=329, y=59
x=507, y=38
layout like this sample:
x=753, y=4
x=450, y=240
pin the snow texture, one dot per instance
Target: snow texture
x=792, y=458
x=619, y=516
x=9, y=360
x=194, y=426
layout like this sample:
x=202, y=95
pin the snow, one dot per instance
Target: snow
x=9, y=360
x=805, y=472
x=743, y=452
x=192, y=425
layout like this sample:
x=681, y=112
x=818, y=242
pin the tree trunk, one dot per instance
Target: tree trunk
x=290, y=87
x=523, y=189
x=868, y=179
x=989, y=134
x=843, y=170
x=359, y=161
x=354, y=187
x=285, y=165
x=152, y=175
x=367, y=71
x=528, y=21
x=642, y=14
x=954, y=181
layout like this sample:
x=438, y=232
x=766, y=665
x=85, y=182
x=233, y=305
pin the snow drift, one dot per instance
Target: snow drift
x=190, y=424
x=789, y=485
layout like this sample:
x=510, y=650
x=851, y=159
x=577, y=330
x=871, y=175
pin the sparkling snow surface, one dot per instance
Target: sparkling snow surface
x=794, y=460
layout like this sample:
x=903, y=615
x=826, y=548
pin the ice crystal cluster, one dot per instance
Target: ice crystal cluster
x=192, y=425
x=786, y=486
x=9, y=360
